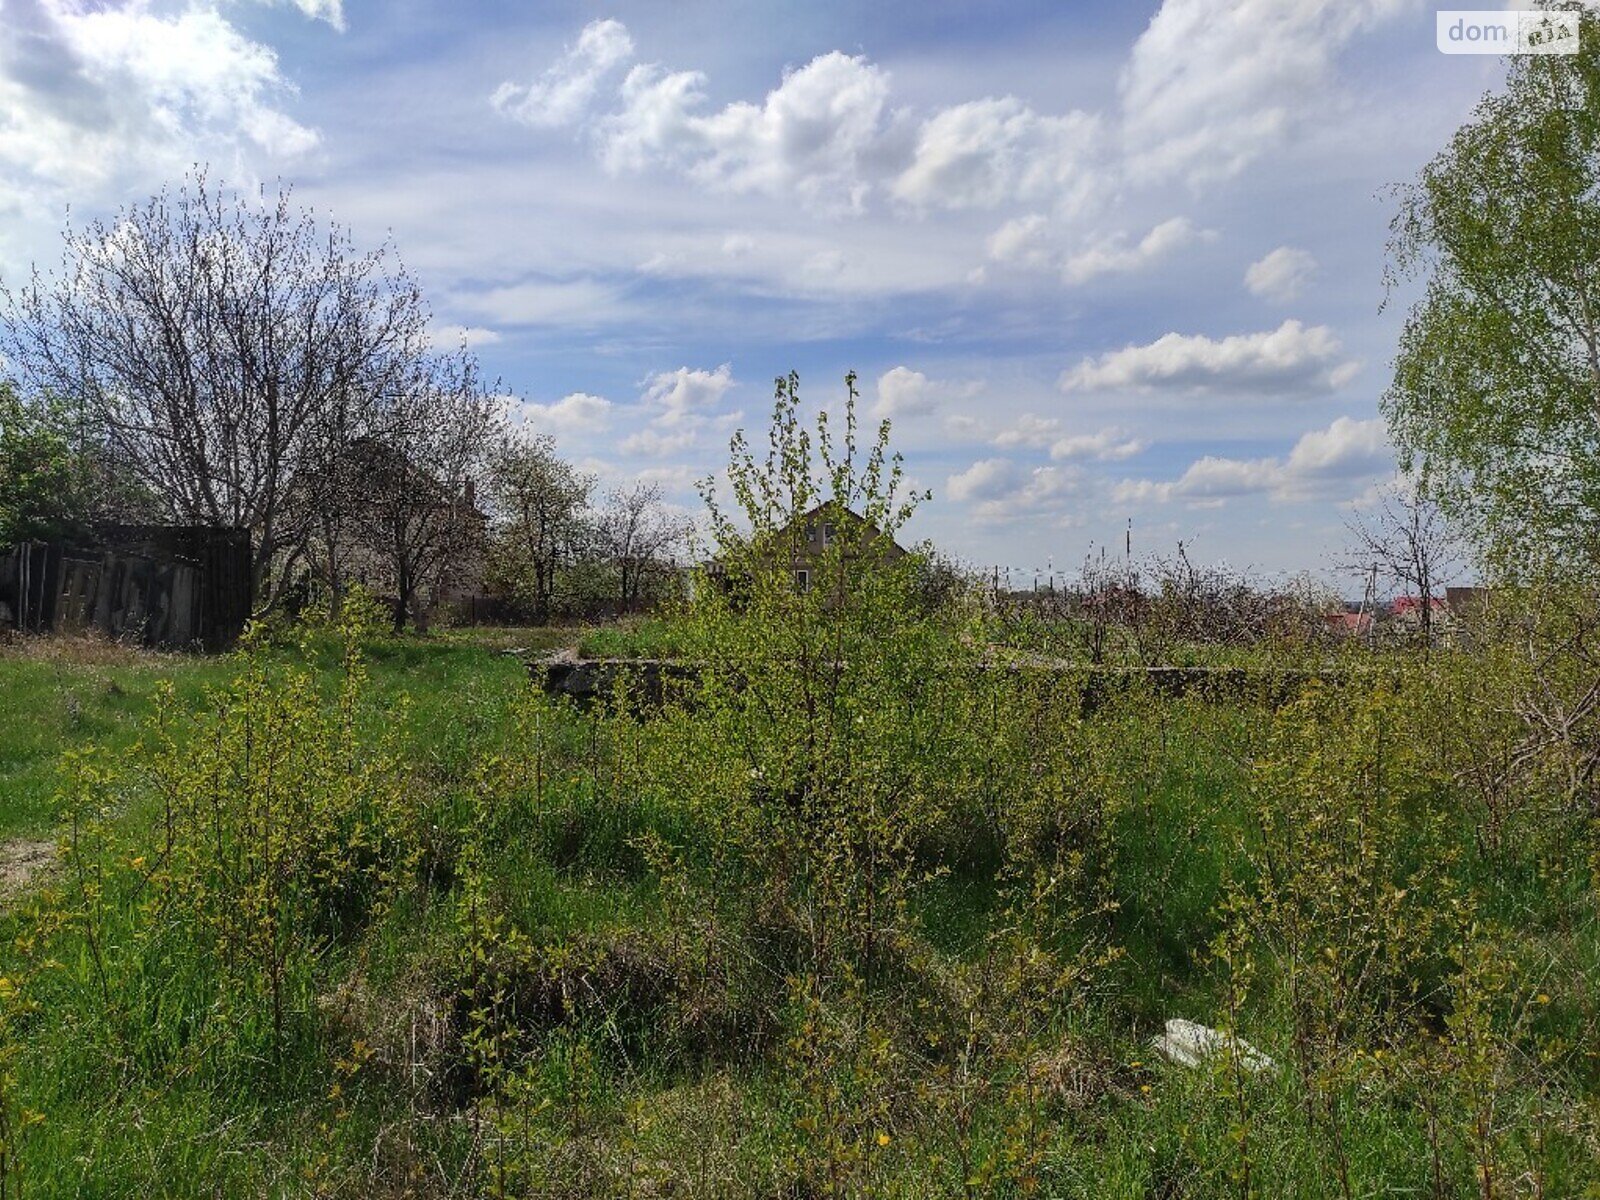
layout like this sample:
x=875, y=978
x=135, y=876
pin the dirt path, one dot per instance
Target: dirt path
x=20, y=862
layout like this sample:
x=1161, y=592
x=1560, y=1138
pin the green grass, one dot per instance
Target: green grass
x=649, y=637
x=57, y=695
x=645, y=1013
x=206, y=1126
x=511, y=638
x=54, y=697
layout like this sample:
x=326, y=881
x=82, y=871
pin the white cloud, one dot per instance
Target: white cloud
x=686, y=391
x=1108, y=445
x=678, y=479
x=1347, y=447
x=903, y=392
x=683, y=405
x=190, y=69
x=1140, y=492
x=655, y=123
x=813, y=134
x=564, y=92
x=1319, y=465
x=1022, y=240
x=986, y=479
x=1216, y=478
x=661, y=263
x=569, y=302
x=103, y=103
x=1282, y=275
x=1029, y=429
x=90, y=95
x=1213, y=84
x=1292, y=359
x=987, y=152
x=1027, y=241
x=825, y=264
x=826, y=134
x=449, y=337
x=331, y=11
x=657, y=443
x=578, y=412
x=813, y=131
x=1116, y=256
x=1000, y=491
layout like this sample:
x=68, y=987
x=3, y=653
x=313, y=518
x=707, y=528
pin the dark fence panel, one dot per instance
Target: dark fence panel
x=27, y=586
x=174, y=586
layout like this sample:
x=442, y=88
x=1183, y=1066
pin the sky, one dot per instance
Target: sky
x=1099, y=263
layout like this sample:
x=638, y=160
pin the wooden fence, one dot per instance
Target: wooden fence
x=173, y=586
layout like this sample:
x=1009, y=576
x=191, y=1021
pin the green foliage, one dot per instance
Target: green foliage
x=43, y=480
x=359, y=615
x=1351, y=886
x=280, y=833
x=16, y=1007
x=1497, y=381
x=873, y=907
x=650, y=637
x=322, y=625
x=538, y=501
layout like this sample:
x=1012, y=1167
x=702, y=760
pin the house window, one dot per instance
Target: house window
x=827, y=534
x=802, y=580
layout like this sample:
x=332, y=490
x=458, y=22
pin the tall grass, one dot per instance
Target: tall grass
x=864, y=913
x=592, y=964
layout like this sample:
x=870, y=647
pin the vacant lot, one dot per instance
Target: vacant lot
x=348, y=915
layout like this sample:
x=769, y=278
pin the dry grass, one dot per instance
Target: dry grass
x=21, y=862
x=407, y=1027
x=79, y=650
x=1074, y=1074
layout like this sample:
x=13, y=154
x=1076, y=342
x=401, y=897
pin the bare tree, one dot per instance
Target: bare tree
x=408, y=489
x=1110, y=598
x=225, y=347
x=539, y=506
x=1405, y=543
x=640, y=535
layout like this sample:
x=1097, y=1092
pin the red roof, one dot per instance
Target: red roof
x=1404, y=605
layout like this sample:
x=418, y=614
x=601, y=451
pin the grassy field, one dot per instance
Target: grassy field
x=59, y=695
x=69, y=693
x=362, y=916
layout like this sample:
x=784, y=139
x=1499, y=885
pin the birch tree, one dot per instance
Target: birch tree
x=1495, y=402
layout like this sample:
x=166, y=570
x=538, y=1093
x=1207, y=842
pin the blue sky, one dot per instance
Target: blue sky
x=1099, y=262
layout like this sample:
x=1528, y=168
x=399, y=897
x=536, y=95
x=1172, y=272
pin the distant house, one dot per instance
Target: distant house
x=806, y=542
x=1351, y=624
x=809, y=538
x=381, y=499
x=1409, y=608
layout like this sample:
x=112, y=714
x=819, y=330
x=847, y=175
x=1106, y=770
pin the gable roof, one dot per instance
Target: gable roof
x=811, y=522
